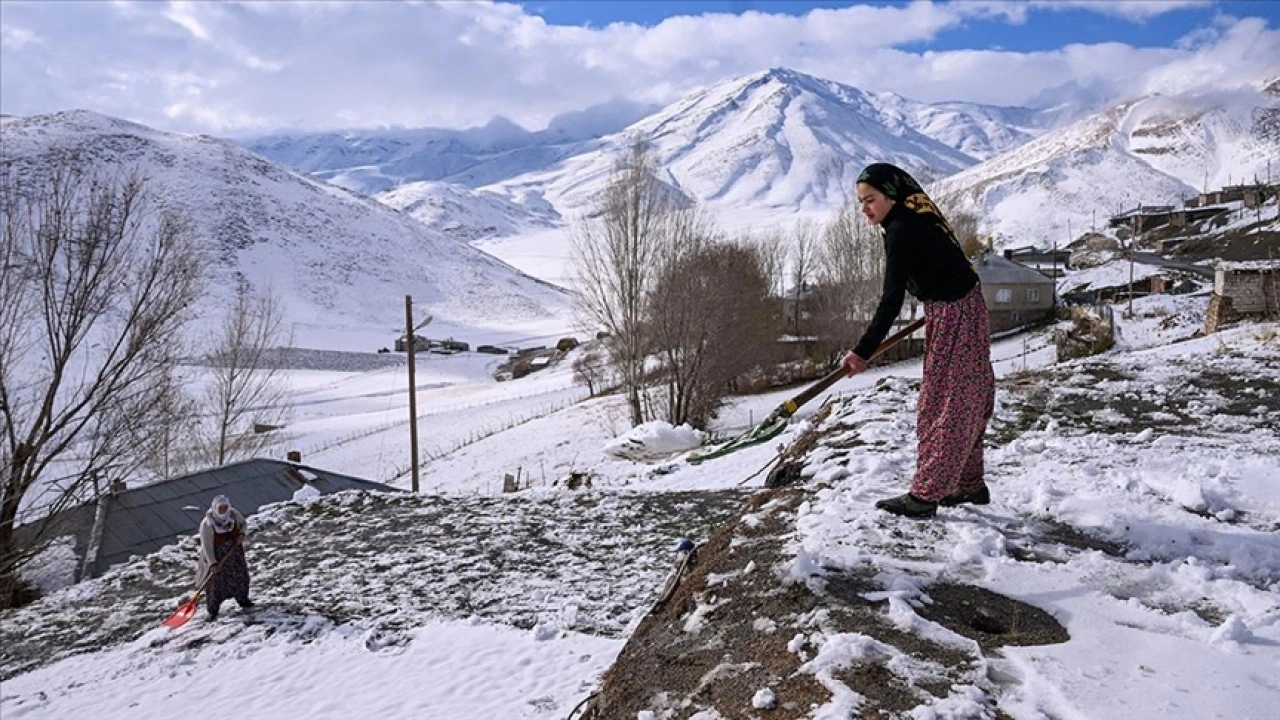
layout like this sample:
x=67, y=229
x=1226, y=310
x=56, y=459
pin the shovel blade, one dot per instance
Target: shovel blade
x=184, y=613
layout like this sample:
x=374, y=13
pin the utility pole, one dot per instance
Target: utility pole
x=411, y=342
x=1137, y=231
x=1053, y=259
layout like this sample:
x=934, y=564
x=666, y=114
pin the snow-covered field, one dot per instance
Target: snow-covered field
x=468, y=604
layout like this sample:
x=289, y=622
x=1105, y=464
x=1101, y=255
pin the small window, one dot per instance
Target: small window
x=1004, y=295
x=1033, y=294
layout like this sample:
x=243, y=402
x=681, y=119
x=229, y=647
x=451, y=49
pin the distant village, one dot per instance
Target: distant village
x=1021, y=285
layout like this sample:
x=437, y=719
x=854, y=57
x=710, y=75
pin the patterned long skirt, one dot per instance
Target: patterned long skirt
x=957, y=397
x=232, y=580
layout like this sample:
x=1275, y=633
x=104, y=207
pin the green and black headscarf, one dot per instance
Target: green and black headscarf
x=893, y=181
x=898, y=185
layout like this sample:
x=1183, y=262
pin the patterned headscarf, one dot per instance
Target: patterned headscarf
x=222, y=521
x=893, y=181
x=898, y=185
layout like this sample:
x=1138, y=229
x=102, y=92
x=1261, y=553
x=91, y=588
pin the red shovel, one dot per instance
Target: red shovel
x=187, y=610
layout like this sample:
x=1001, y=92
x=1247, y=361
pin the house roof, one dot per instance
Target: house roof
x=996, y=269
x=1248, y=265
x=142, y=520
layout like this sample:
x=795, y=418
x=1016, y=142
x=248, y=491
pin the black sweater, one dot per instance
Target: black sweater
x=922, y=258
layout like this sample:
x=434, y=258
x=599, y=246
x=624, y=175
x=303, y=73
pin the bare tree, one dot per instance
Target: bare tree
x=96, y=282
x=712, y=320
x=615, y=256
x=590, y=368
x=964, y=224
x=850, y=272
x=168, y=451
x=771, y=248
x=246, y=395
x=803, y=256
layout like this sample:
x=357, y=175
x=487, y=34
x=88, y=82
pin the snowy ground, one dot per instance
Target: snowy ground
x=462, y=604
x=375, y=582
x=1168, y=458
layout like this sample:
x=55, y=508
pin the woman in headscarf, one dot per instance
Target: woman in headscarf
x=222, y=552
x=923, y=257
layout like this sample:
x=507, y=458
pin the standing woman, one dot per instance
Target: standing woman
x=923, y=257
x=222, y=552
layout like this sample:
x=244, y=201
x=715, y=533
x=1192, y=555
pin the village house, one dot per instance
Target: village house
x=1016, y=295
x=1243, y=289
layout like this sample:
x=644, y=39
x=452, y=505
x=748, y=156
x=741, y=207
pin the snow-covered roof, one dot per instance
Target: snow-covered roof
x=996, y=269
x=1248, y=265
x=142, y=520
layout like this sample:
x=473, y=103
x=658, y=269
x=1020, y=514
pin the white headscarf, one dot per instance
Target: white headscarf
x=222, y=522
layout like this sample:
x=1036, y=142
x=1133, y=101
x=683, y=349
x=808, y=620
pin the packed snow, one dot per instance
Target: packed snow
x=1171, y=465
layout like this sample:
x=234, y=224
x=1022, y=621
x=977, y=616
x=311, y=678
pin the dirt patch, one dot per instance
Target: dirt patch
x=734, y=627
x=991, y=619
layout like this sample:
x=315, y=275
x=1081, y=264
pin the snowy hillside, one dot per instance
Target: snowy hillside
x=373, y=161
x=1133, y=507
x=783, y=139
x=775, y=138
x=342, y=263
x=1156, y=150
x=465, y=214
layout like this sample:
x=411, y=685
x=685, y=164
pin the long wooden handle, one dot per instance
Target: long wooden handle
x=788, y=408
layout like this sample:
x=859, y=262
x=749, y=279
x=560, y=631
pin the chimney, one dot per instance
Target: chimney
x=294, y=456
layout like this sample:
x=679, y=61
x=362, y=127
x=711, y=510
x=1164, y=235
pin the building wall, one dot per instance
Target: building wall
x=1016, y=305
x=1250, y=291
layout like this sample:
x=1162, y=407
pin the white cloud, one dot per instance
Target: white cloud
x=16, y=37
x=1244, y=50
x=227, y=68
x=1132, y=10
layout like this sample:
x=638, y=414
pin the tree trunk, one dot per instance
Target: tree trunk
x=8, y=516
x=633, y=401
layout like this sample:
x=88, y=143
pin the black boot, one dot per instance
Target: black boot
x=908, y=506
x=979, y=496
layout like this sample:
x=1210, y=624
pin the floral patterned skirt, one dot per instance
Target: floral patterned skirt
x=957, y=397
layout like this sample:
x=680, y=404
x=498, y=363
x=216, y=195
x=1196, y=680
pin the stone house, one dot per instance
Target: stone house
x=1016, y=295
x=1243, y=289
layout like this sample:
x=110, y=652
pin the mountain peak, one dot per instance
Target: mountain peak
x=792, y=78
x=84, y=120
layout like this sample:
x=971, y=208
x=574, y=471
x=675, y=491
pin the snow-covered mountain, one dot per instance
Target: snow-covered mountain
x=374, y=161
x=777, y=142
x=773, y=138
x=1155, y=150
x=468, y=215
x=783, y=139
x=341, y=262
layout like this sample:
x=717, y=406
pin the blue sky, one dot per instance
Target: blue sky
x=1047, y=29
x=233, y=68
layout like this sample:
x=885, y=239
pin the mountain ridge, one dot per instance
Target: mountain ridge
x=955, y=135
x=341, y=261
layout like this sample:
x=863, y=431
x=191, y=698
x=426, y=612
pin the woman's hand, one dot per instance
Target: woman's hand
x=853, y=363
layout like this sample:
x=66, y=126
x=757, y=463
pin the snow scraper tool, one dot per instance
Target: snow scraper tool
x=187, y=610
x=773, y=425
